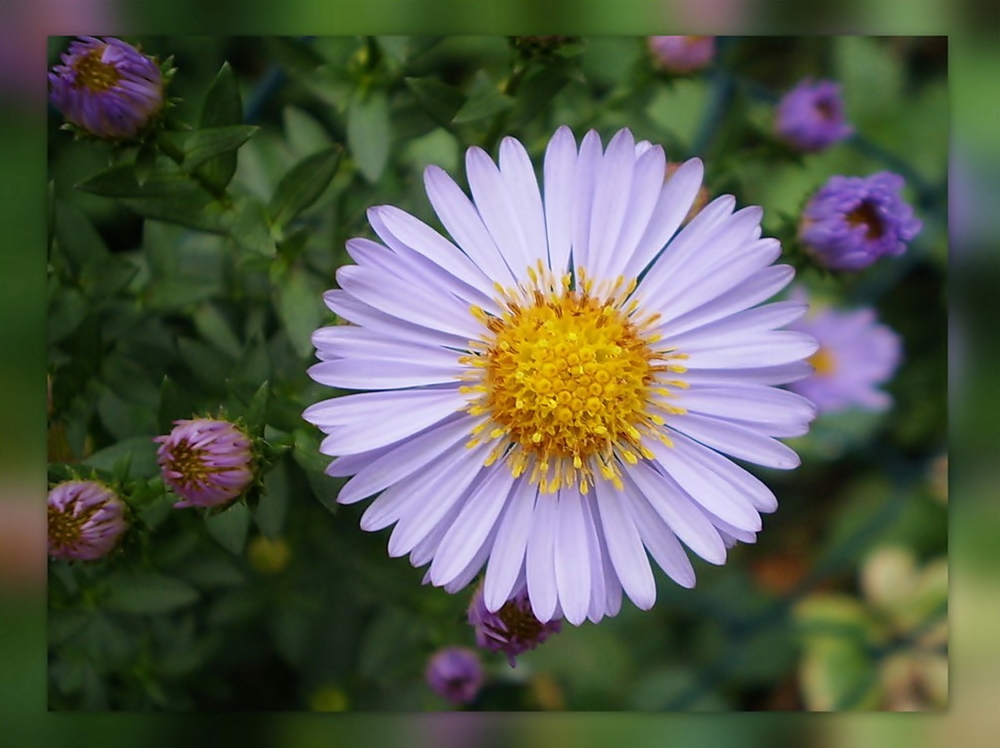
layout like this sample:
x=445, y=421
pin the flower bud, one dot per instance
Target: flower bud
x=513, y=629
x=456, y=674
x=86, y=519
x=207, y=462
x=810, y=117
x=682, y=54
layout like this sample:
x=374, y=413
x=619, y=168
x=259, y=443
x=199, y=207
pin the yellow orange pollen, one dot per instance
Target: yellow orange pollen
x=569, y=377
x=824, y=362
x=95, y=74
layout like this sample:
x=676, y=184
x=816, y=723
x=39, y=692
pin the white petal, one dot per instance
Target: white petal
x=507, y=558
x=447, y=488
x=768, y=375
x=370, y=318
x=680, y=512
x=540, y=559
x=739, y=327
x=674, y=202
x=741, y=480
x=519, y=176
x=740, y=442
x=647, y=186
x=350, y=341
x=471, y=569
x=658, y=537
x=769, y=349
x=470, y=530
x=612, y=584
x=625, y=546
x=405, y=459
x=612, y=193
x=460, y=217
x=764, y=408
x=583, y=197
x=362, y=374
x=598, y=591
x=560, y=168
x=571, y=564
x=498, y=211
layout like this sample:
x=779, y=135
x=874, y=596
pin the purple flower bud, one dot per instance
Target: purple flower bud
x=456, y=674
x=107, y=88
x=852, y=221
x=206, y=462
x=682, y=54
x=86, y=519
x=811, y=116
x=512, y=629
x=856, y=354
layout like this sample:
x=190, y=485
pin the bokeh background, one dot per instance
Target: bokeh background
x=975, y=174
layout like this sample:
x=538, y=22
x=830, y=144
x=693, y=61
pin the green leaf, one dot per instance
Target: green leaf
x=142, y=457
x=193, y=208
x=229, y=527
x=67, y=310
x=294, y=53
x=106, y=277
x=176, y=404
x=304, y=134
x=537, y=91
x=148, y=593
x=120, y=181
x=369, y=132
x=485, y=100
x=256, y=415
x=201, y=146
x=273, y=505
x=214, y=328
x=300, y=309
x=208, y=365
x=221, y=107
x=249, y=227
x=145, y=161
x=78, y=240
x=302, y=185
x=440, y=100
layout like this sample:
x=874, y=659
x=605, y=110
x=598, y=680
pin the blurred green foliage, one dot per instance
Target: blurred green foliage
x=186, y=277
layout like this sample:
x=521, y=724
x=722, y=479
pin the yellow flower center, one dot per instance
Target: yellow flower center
x=569, y=379
x=94, y=74
x=65, y=529
x=823, y=362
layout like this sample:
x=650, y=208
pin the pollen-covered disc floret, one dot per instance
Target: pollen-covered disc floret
x=567, y=377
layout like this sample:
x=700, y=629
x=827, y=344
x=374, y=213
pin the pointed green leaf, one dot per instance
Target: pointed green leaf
x=249, y=227
x=485, y=100
x=302, y=185
x=201, y=146
x=148, y=593
x=440, y=100
x=120, y=181
x=256, y=416
x=194, y=209
x=78, y=240
x=300, y=309
x=369, y=132
x=273, y=505
x=221, y=107
x=537, y=91
x=229, y=527
x=294, y=53
x=214, y=328
x=176, y=403
x=145, y=161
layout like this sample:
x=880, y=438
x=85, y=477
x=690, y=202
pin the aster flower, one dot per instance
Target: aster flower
x=107, y=88
x=512, y=629
x=86, y=519
x=456, y=674
x=856, y=354
x=207, y=462
x=555, y=393
x=682, y=54
x=852, y=221
x=810, y=117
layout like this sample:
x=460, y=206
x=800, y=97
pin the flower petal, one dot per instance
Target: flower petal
x=625, y=546
x=571, y=564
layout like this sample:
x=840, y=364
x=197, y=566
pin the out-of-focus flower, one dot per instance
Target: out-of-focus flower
x=810, y=117
x=700, y=200
x=86, y=519
x=107, y=88
x=207, y=462
x=682, y=54
x=268, y=556
x=456, y=674
x=513, y=629
x=852, y=221
x=856, y=354
x=596, y=408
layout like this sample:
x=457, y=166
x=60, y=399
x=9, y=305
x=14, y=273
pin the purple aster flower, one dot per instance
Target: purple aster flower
x=811, y=116
x=206, y=462
x=856, y=354
x=852, y=221
x=86, y=519
x=513, y=628
x=107, y=88
x=456, y=674
x=682, y=54
x=555, y=393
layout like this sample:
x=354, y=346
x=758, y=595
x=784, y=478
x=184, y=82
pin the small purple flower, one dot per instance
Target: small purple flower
x=456, y=674
x=107, y=88
x=86, y=519
x=206, y=462
x=512, y=629
x=852, y=221
x=682, y=54
x=811, y=116
x=856, y=354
